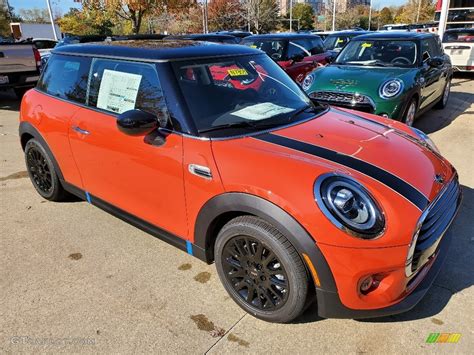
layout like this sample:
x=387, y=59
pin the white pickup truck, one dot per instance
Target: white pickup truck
x=20, y=66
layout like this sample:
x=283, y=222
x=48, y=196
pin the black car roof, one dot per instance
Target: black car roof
x=348, y=33
x=156, y=50
x=396, y=35
x=284, y=35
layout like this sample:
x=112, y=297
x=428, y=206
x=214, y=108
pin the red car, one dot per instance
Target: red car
x=297, y=54
x=293, y=201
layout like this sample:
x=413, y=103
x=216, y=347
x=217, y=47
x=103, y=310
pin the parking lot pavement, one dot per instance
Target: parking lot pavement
x=75, y=279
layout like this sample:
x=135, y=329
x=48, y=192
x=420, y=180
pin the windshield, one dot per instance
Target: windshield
x=459, y=36
x=336, y=42
x=273, y=47
x=384, y=53
x=229, y=96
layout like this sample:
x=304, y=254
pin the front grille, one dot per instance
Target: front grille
x=345, y=99
x=433, y=223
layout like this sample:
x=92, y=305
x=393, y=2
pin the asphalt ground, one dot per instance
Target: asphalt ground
x=76, y=279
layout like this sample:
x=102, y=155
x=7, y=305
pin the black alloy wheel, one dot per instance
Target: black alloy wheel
x=42, y=172
x=39, y=170
x=255, y=273
x=261, y=270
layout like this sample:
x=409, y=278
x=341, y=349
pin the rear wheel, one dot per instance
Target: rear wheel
x=443, y=101
x=261, y=270
x=410, y=113
x=42, y=173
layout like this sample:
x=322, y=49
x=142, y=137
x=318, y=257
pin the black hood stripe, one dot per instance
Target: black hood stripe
x=386, y=178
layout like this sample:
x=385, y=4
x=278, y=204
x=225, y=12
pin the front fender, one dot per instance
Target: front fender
x=233, y=204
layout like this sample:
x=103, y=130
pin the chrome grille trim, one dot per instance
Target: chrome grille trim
x=432, y=225
x=346, y=99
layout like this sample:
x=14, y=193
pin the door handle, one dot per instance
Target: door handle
x=80, y=130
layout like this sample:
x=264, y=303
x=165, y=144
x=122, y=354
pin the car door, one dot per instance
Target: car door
x=431, y=75
x=130, y=173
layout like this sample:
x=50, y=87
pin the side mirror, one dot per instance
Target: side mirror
x=435, y=62
x=137, y=122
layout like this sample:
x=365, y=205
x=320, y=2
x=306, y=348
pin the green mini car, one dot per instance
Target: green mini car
x=398, y=75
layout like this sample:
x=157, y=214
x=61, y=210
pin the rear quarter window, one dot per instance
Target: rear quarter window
x=66, y=77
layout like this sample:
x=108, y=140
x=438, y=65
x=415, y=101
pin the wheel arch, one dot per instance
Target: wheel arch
x=222, y=208
x=27, y=132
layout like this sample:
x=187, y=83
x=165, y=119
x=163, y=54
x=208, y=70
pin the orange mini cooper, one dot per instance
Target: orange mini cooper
x=293, y=201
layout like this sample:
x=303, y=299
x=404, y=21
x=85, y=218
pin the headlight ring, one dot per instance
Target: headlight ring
x=391, y=88
x=307, y=82
x=349, y=206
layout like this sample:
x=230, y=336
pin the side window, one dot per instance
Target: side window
x=298, y=48
x=66, y=77
x=426, y=50
x=434, y=47
x=119, y=86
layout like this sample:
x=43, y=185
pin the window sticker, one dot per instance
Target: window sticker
x=366, y=45
x=118, y=91
x=339, y=40
x=261, y=111
x=253, y=46
x=237, y=72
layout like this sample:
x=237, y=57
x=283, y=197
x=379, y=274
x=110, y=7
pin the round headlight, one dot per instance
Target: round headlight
x=307, y=82
x=391, y=88
x=349, y=206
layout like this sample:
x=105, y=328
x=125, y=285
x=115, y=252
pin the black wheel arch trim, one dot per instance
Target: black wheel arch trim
x=243, y=203
x=28, y=128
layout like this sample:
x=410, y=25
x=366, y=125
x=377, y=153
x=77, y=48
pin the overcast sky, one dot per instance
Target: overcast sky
x=64, y=5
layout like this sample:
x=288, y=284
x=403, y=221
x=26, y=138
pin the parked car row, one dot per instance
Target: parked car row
x=216, y=150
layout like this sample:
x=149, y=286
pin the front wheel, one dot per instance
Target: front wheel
x=443, y=101
x=261, y=270
x=410, y=113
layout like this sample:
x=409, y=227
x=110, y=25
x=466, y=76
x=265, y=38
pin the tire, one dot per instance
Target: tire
x=410, y=113
x=277, y=281
x=42, y=173
x=443, y=101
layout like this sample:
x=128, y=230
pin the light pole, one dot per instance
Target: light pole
x=333, y=15
x=370, y=14
x=52, y=20
x=291, y=15
x=443, y=18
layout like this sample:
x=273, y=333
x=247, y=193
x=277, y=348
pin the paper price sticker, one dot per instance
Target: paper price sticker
x=237, y=72
x=366, y=45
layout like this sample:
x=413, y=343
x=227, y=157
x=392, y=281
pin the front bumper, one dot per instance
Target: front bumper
x=330, y=305
x=397, y=291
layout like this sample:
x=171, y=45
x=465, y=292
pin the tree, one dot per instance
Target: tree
x=35, y=15
x=225, y=15
x=409, y=12
x=385, y=16
x=89, y=21
x=262, y=14
x=7, y=15
x=305, y=14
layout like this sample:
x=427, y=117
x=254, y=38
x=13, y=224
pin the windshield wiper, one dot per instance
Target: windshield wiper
x=375, y=62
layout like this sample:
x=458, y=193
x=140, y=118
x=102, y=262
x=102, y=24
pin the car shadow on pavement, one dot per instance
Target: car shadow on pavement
x=434, y=120
x=455, y=275
x=9, y=101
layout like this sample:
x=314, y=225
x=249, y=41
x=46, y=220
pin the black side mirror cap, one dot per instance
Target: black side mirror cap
x=137, y=122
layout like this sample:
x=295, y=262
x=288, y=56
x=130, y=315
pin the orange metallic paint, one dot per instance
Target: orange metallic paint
x=154, y=183
x=140, y=178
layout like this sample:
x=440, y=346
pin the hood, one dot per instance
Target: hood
x=373, y=147
x=351, y=78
